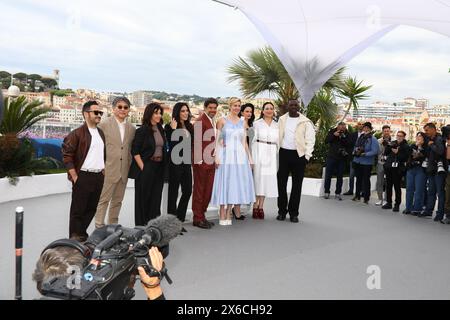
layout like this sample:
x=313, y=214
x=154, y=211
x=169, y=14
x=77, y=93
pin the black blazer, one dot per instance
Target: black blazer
x=145, y=146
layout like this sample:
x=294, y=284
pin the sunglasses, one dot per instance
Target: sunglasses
x=123, y=107
x=96, y=112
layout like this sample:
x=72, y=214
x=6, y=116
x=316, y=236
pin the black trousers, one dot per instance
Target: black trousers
x=362, y=174
x=393, y=179
x=290, y=163
x=179, y=175
x=148, y=192
x=85, y=196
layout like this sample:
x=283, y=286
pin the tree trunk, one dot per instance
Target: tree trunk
x=347, y=111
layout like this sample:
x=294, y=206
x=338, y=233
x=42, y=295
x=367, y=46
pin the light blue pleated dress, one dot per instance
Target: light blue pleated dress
x=233, y=182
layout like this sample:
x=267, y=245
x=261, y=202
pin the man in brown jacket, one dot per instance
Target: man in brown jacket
x=119, y=135
x=84, y=157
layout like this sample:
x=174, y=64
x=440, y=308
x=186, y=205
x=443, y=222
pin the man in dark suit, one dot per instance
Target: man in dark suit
x=353, y=138
x=203, y=164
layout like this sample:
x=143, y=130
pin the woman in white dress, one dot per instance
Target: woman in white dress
x=265, y=153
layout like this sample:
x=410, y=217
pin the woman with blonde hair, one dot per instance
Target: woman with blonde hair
x=233, y=182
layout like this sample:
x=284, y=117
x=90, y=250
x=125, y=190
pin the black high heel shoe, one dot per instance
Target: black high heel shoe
x=241, y=217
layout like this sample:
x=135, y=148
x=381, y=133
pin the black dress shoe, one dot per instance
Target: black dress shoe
x=202, y=225
x=406, y=212
x=241, y=217
x=387, y=206
x=294, y=220
x=396, y=208
x=415, y=213
x=212, y=224
x=183, y=230
x=438, y=219
x=281, y=217
x=348, y=193
x=424, y=214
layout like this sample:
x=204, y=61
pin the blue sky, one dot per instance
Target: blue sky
x=185, y=46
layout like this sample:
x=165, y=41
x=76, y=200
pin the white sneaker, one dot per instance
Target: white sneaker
x=229, y=222
x=223, y=222
x=379, y=203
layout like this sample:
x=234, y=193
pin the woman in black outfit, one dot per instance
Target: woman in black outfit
x=180, y=134
x=149, y=155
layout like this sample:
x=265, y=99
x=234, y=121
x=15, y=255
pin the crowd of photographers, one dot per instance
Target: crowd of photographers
x=419, y=163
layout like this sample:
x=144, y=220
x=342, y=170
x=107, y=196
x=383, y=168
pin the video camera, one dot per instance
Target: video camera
x=117, y=254
x=358, y=152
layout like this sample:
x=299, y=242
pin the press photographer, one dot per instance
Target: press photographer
x=416, y=178
x=397, y=154
x=436, y=169
x=446, y=135
x=339, y=151
x=365, y=151
x=384, y=141
x=106, y=265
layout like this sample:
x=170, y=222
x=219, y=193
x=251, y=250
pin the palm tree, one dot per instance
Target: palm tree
x=262, y=71
x=19, y=115
x=353, y=91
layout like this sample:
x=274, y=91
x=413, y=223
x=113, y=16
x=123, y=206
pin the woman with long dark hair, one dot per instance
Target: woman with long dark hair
x=149, y=153
x=247, y=113
x=180, y=134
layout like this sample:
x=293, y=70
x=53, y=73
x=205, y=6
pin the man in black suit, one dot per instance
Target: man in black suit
x=353, y=138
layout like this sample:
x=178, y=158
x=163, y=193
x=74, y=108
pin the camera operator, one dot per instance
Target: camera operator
x=354, y=136
x=416, y=179
x=446, y=134
x=364, y=153
x=397, y=153
x=56, y=261
x=384, y=141
x=338, y=140
x=436, y=169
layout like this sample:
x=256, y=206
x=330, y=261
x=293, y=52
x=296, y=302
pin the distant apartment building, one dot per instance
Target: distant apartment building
x=422, y=103
x=43, y=97
x=59, y=101
x=141, y=98
x=110, y=96
x=439, y=110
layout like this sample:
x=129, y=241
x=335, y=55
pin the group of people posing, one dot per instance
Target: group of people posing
x=424, y=163
x=226, y=162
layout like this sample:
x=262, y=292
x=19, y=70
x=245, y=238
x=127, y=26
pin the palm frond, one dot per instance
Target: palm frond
x=19, y=115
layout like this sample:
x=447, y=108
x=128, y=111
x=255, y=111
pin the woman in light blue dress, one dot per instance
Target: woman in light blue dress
x=233, y=181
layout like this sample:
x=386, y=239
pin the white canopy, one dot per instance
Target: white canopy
x=314, y=38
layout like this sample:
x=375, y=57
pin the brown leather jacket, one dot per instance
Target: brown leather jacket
x=76, y=147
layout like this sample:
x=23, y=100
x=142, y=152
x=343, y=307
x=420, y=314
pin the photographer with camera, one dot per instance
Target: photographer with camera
x=338, y=140
x=384, y=141
x=60, y=260
x=446, y=134
x=364, y=153
x=416, y=179
x=436, y=170
x=353, y=137
x=106, y=265
x=397, y=153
